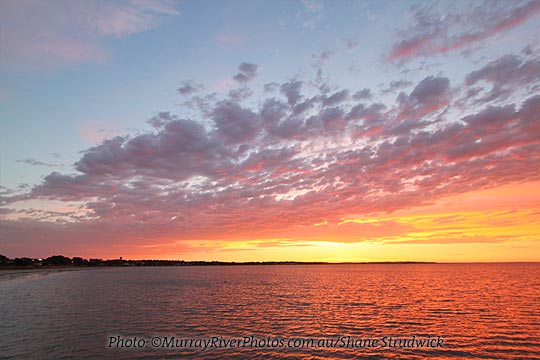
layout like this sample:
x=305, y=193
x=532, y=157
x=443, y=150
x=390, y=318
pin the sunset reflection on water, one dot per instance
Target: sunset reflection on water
x=480, y=310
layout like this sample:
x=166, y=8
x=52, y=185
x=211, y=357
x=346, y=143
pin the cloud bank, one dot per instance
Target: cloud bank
x=302, y=156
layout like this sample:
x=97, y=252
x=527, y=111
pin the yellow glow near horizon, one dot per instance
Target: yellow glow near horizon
x=501, y=224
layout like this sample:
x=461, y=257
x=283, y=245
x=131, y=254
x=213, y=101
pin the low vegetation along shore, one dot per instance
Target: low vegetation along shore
x=64, y=261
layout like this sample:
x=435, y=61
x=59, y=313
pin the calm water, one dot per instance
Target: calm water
x=480, y=310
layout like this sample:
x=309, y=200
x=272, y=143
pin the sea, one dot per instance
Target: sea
x=341, y=311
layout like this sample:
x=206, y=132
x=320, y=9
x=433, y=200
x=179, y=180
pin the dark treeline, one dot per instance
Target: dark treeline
x=59, y=260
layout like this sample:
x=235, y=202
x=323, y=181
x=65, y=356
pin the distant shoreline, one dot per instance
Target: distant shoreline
x=13, y=270
x=176, y=263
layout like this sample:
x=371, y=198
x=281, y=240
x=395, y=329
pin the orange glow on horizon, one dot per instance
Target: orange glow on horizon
x=500, y=224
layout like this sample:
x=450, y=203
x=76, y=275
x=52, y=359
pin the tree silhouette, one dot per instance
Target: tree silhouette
x=3, y=260
x=78, y=261
x=57, y=260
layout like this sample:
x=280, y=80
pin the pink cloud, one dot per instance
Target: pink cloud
x=434, y=33
x=35, y=33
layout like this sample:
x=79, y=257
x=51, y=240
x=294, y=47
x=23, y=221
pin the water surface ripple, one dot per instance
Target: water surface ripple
x=481, y=310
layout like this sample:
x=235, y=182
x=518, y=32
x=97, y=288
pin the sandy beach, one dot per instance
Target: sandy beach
x=13, y=274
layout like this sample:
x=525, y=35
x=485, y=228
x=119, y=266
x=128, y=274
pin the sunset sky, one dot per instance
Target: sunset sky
x=270, y=130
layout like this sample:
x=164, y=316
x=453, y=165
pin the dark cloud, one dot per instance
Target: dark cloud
x=272, y=112
x=429, y=95
x=362, y=94
x=234, y=123
x=431, y=90
x=32, y=161
x=292, y=91
x=240, y=94
x=336, y=98
x=396, y=85
x=247, y=72
x=189, y=87
x=505, y=74
x=305, y=105
x=270, y=87
x=160, y=119
x=371, y=112
x=509, y=69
